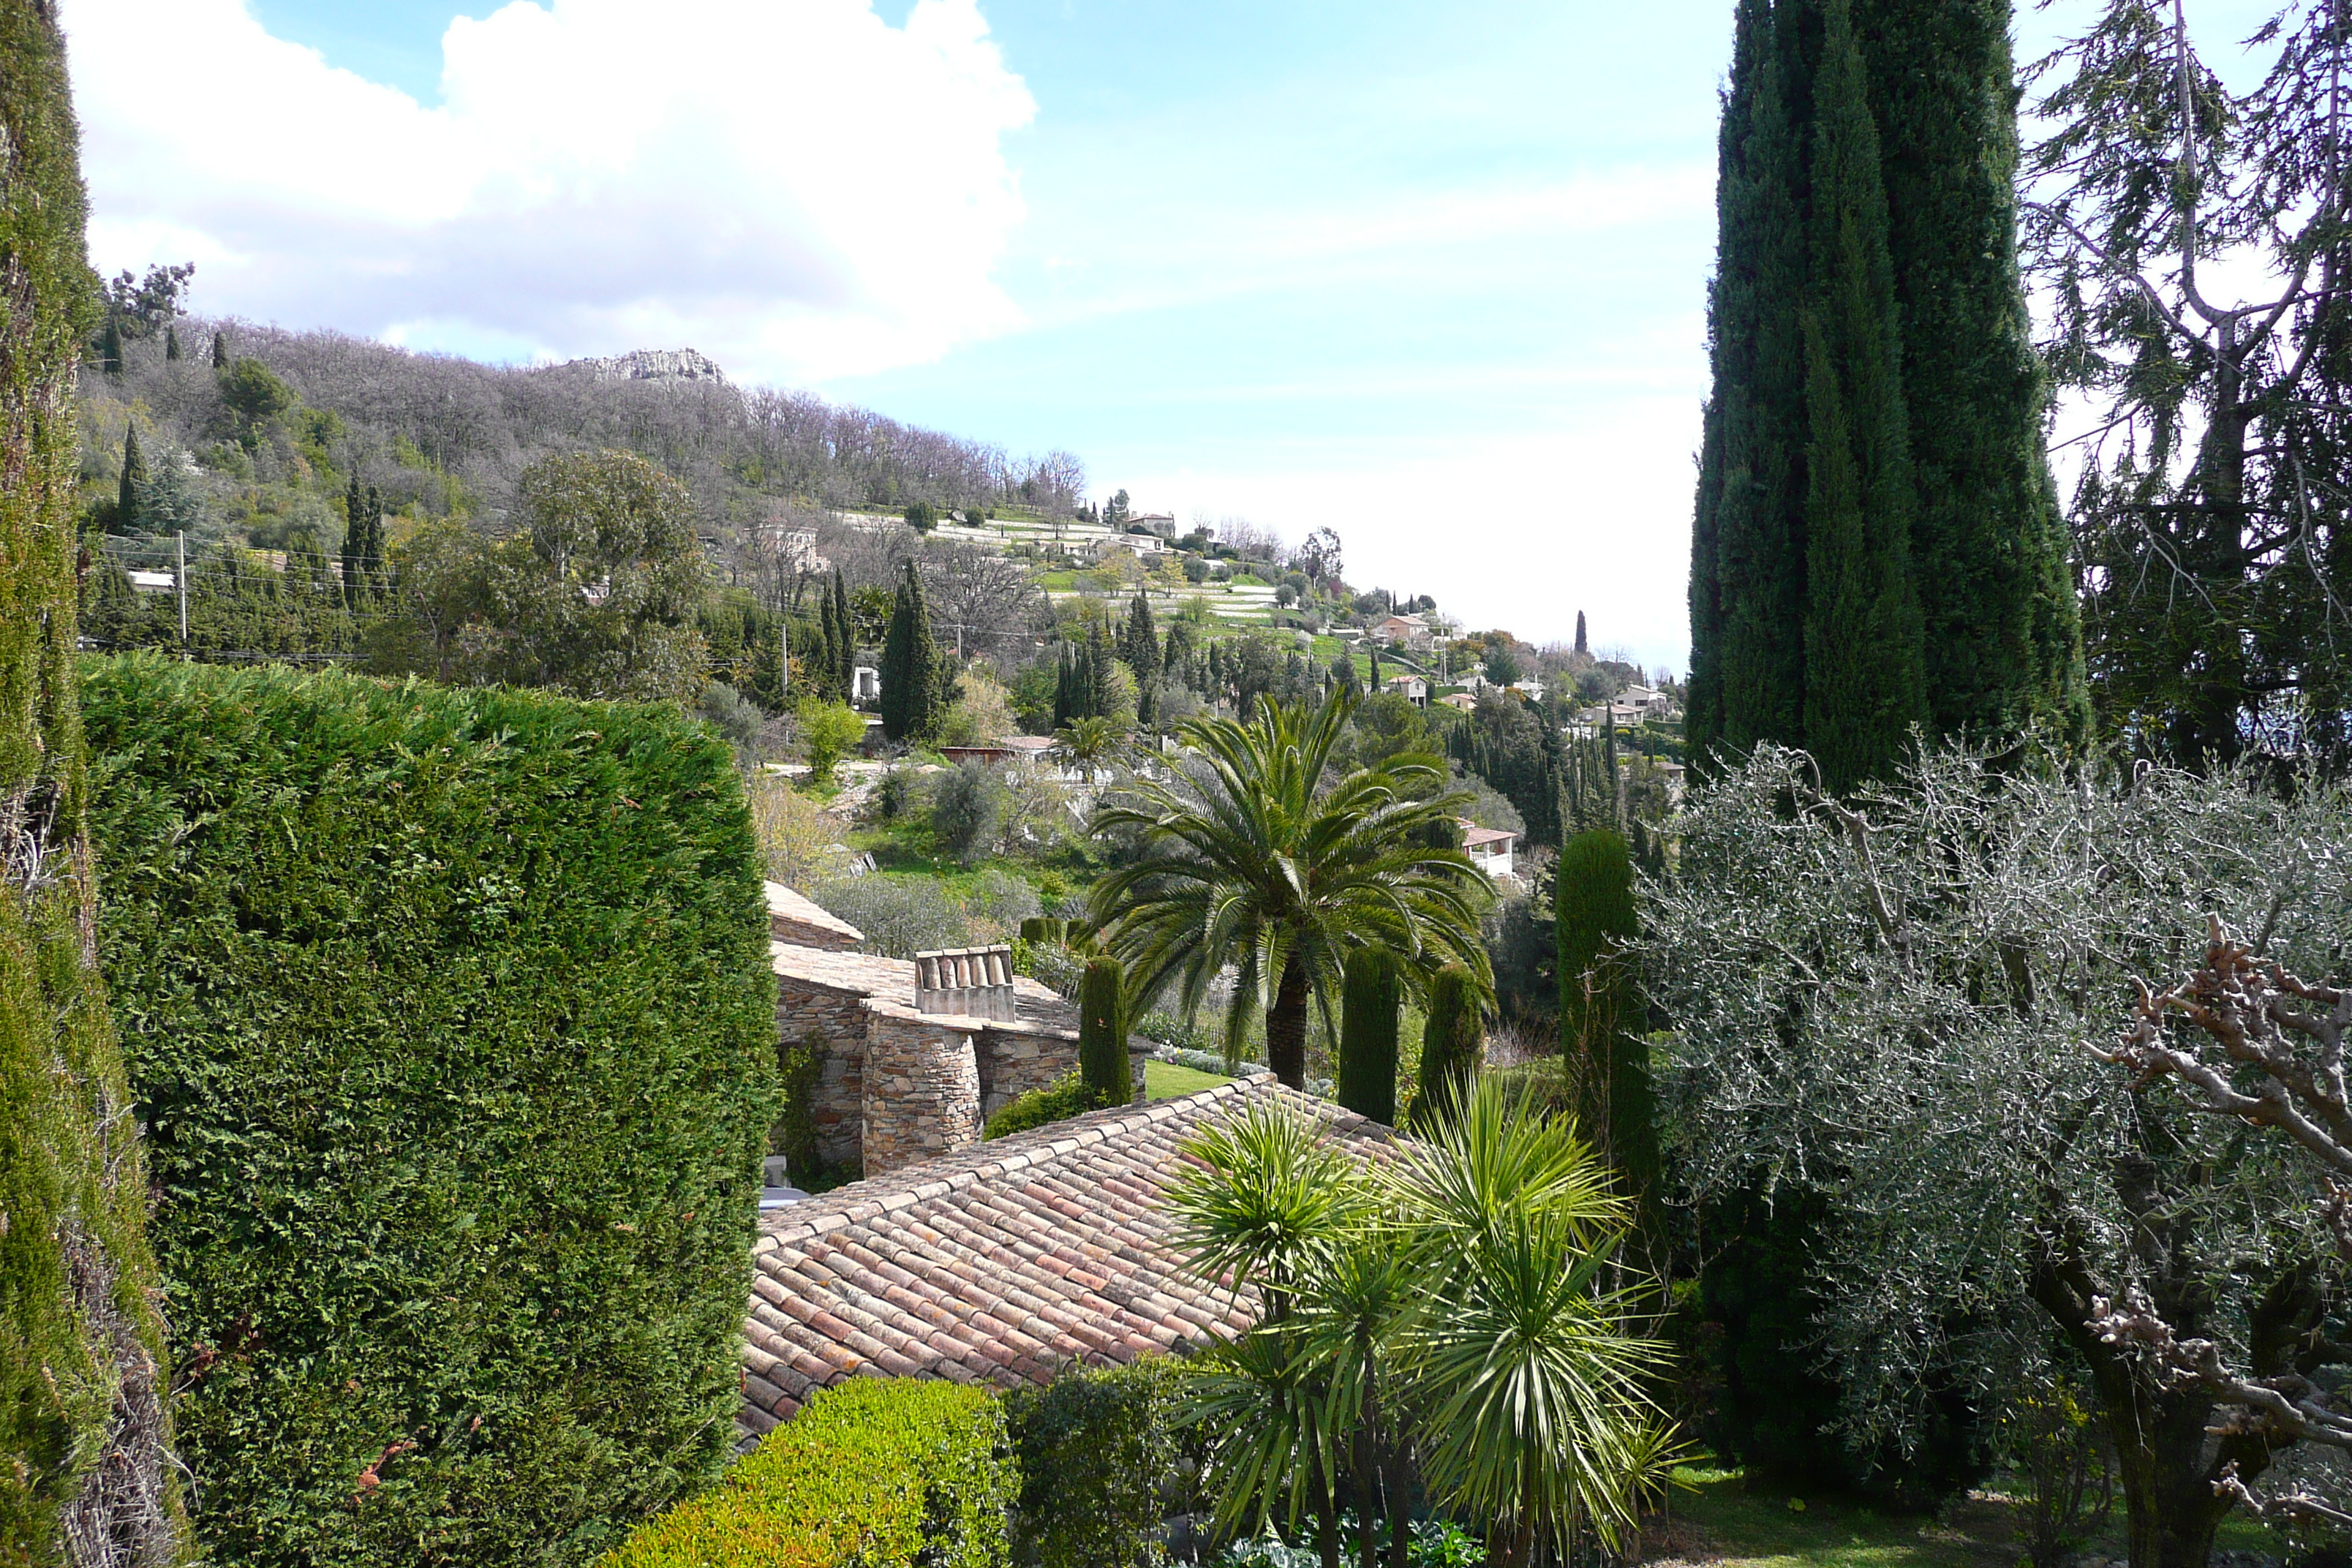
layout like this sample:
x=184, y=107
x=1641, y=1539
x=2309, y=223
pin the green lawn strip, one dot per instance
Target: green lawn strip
x=1166, y=1081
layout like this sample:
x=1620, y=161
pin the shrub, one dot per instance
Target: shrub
x=967, y=805
x=877, y=1472
x=800, y=1069
x=1102, y=1033
x=1097, y=1451
x=901, y=915
x=1066, y=1097
x=1001, y=897
x=1040, y=930
x=1368, y=1036
x=449, y=1016
x=829, y=731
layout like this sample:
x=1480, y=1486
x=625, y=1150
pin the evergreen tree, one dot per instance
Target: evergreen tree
x=1064, y=688
x=1863, y=670
x=1103, y=1064
x=1601, y=1023
x=911, y=695
x=110, y=345
x=220, y=351
x=172, y=343
x=2003, y=638
x=844, y=621
x=355, y=528
x=85, y=1430
x=1343, y=673
x=1580, y=647
x=1368, y=1036
x=1452, y=1042
x=131, y=497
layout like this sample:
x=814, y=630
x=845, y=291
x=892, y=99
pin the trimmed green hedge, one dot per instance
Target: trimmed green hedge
x=1099, y=1453
x=450, y=1017
x=877, y=1473
x=1066, y=1097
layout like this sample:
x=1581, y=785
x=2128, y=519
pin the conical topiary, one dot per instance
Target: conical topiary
x=1102, y=1033
x=1453, y=1043
x=1368, y=1036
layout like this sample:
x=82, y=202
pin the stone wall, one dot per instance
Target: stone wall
x=802, y=934
x=840, y=1016
x=1013, y=1062
x=921, y=1091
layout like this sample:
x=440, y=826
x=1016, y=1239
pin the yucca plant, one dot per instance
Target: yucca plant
x=1259, y=855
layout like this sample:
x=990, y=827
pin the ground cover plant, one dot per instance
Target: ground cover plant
x=448, y=1016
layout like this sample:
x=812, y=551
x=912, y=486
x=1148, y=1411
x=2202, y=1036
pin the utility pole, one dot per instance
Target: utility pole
x=180, y=578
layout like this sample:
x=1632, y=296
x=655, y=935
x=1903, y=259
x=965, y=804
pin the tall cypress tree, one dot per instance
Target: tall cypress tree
x=354, y=541
x=85, y=1430
x=1863, y=673
x=911, y=666
x=220, y=351
x=2004, y=639
x=1580, y=647
x=1368, y=1036
x=1918, y=364
x=131, y=496
x=172, y=343
x=844, y=621
x=1601, y=1026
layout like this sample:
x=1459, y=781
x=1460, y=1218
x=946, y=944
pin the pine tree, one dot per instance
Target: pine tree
x=1601, y=1026
x=1863, y=670
x=220, y=351
x=171, y=343
x=85, y=1430
x=1103, y=1064
x=1368, y=1036
x=2002, y=637
x=911, y=695
x=131, y=497
x=1452, y=1042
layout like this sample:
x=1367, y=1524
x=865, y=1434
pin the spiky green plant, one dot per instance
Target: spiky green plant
x=1254, y=855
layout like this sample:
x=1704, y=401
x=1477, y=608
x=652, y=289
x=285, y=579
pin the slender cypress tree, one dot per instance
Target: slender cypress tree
x=1103, y=1065
x=1580, y=647
x=1864, y=679
x=844, y=621
x=171, y=343
x=1599, y=1013
x=911, y=666
x=355, y=525
x=84, y=1426
x=1453, y=1042
x=110, y=346
x=131, y=496
x=220, y=351
x=2002, y=637
x=1368, y=1036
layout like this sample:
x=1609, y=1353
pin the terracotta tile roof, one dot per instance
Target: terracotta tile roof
x=999, y=1262
x=784, y=904
x=891, y=983
x=1471, y=836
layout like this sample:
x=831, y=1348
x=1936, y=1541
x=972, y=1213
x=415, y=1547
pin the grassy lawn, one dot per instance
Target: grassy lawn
x=1713, y=1518
x=1166, y=1081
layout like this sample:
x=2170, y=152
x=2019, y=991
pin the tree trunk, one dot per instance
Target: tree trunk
x=1396, y=1485
x=1285, y=1026
x=1326, y=1512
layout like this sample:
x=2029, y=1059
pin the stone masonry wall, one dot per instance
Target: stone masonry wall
x=801, y=933
x=921, y=1091
x=1012, y=1063
x=841, y=1017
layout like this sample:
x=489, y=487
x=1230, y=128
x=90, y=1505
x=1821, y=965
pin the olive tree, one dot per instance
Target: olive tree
x=1895, y=1007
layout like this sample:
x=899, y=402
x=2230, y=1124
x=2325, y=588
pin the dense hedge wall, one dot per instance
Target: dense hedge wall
x=450, y=1018
x=876, y=1473
x=1098, y=1453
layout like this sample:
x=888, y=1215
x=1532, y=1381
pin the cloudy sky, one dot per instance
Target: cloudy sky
x=1430, y=274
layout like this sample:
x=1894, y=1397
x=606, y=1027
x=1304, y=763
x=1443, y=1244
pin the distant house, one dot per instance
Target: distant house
x=1160, y=522
x=1412, y=688
x=1489, y=849
x=865, y=684
x=1407, y=631
x=1461, y=700
x=1004, y=751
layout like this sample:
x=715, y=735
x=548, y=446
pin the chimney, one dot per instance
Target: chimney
x=974, y=982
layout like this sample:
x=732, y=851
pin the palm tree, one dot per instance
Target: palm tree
x=1450, y=1305
x=1256, y=857
x=1089, y=745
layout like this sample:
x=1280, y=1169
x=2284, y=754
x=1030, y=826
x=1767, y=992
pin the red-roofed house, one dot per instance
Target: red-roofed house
x=1489, y=848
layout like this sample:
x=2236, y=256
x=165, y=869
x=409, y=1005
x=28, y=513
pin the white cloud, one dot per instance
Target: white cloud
x=793, y=187
x=1517, y=531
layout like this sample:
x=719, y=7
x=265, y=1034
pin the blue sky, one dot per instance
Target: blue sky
x=1432, y=275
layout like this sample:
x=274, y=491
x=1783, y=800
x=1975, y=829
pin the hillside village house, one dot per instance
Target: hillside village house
x=1405, y=631
x=1489, y=849
x=1160, y=522
x=1461, y=702
x=918, y=1053
x=1412, y=688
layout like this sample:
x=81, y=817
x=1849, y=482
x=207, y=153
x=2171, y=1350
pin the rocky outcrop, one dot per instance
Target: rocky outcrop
x=650, y=364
